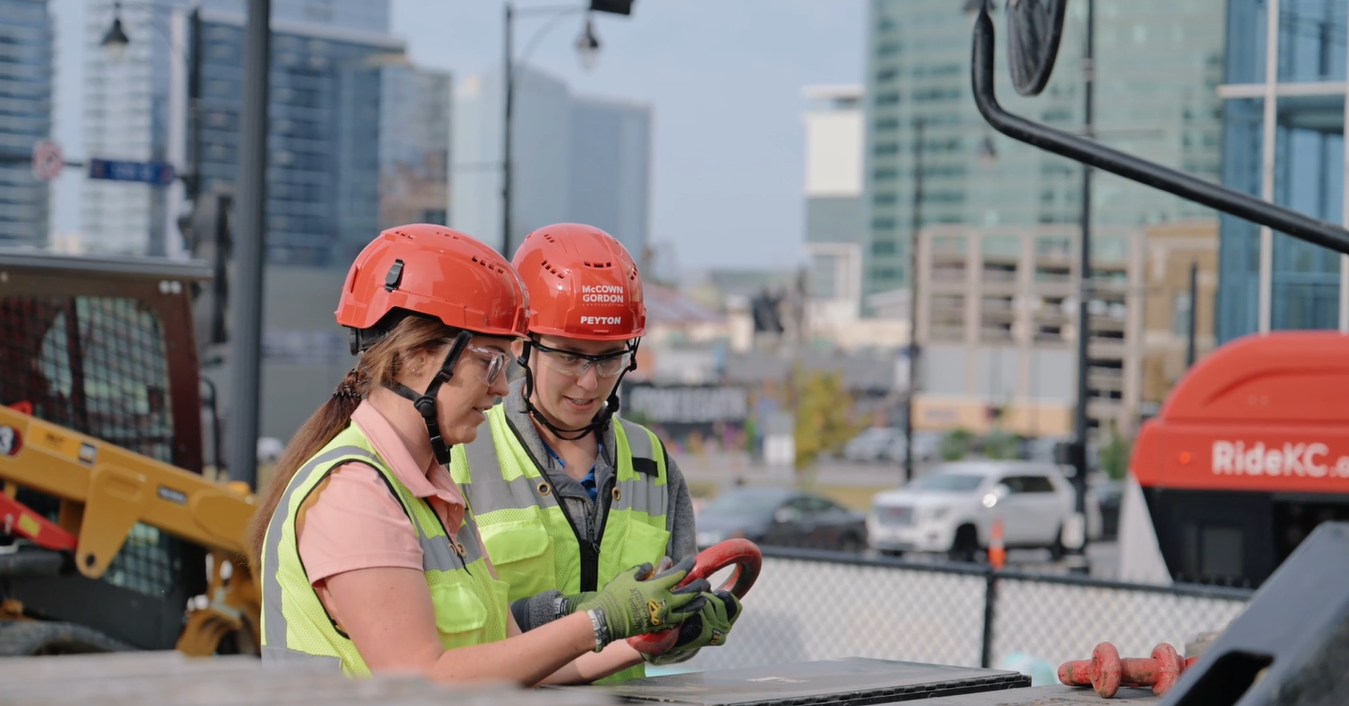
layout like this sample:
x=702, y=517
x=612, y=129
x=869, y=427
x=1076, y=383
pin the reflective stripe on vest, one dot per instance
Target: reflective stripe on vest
x=470, y=606
x=527, y=534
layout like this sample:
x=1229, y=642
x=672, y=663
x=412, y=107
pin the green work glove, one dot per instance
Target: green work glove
x=635, y=602
x=709, y=627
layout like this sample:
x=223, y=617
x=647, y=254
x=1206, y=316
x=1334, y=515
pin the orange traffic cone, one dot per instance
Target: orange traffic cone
x=997, y=552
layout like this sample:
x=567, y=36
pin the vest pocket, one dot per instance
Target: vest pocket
x=522, y=552
x=461, y=616
x=643, y=544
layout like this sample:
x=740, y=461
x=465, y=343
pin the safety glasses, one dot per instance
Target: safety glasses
x=493, y=360
x=575, y=364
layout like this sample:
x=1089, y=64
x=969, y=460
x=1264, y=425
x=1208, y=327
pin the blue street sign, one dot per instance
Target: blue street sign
x=149, y=172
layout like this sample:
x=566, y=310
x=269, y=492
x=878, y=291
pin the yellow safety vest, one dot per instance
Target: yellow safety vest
x=528, y=535
x=470, y=605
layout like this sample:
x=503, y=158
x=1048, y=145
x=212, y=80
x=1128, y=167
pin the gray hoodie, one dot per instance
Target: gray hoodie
x=584, y=512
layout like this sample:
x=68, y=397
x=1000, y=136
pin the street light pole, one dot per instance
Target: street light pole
x=587, y=46
x=916, y=228
x=1080, y=421
x=249, y=249
x=508, y=85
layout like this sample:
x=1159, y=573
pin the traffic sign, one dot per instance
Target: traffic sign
x=47, y=160
x=158, y=173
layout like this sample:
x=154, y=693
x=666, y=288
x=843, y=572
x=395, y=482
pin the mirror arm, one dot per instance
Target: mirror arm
x=1094, y=154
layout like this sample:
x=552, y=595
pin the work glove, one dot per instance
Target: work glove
x=637, y=602
x=709, y=627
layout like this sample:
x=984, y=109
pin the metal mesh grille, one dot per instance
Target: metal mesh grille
x=1061, y=621
x=811, y=610
x=96, y=365
x=814, y=605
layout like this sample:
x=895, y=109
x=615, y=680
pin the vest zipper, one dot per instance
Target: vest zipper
x=590, y=566
x=590, y=550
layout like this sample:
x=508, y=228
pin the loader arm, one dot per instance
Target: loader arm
x=105, y=490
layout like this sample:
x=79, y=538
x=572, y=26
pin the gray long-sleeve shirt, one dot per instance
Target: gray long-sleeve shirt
x=585, y=513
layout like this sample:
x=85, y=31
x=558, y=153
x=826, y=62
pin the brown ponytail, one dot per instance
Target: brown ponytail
x=380, y=364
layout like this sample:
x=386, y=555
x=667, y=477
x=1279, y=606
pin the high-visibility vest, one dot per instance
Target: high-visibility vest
x=470, y=606
x=528, y=534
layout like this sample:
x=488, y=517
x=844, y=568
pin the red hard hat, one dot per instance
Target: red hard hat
x=582, y=284
x=437, y=272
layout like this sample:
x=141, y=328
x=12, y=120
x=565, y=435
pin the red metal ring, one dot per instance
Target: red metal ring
x=748, y=561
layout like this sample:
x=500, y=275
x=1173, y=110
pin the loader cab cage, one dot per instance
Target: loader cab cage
x=105, y=347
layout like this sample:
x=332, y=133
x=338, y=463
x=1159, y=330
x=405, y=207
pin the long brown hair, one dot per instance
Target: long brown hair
x=381, y=364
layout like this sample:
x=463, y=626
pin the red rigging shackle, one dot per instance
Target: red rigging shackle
x=748, y=560
x=1106, y=672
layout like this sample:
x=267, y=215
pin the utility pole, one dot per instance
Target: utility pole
x=916, y=228
x=250, y=249
x=1193, y=323
x=508, y=85
x=1078, y=560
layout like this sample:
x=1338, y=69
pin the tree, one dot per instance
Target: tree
x=956, y=444
x=823, y=415
x=1115, y=455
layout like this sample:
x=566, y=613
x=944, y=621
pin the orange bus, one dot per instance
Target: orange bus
x=1249, y=453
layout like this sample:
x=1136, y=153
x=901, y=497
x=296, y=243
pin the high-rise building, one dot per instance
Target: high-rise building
x=130, y=113
x=1283, y=140
x=1158, y=64
x=26, y=37
x=414, y=146
x=574, y=158
x=610, y=180
x=324, y=117
x=834, y=207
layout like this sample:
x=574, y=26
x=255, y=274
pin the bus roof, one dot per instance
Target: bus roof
x=1266, y=413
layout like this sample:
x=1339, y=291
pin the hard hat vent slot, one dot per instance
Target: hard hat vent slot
x=495, y=268
x=598, y=265
x=548, y=266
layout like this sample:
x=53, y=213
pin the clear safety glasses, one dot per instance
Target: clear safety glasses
x=576, y=364
x=492, y=360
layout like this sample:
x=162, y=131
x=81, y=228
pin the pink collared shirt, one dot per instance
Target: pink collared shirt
x=354, y=522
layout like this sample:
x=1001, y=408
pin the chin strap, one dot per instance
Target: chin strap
x=426, y=402
x=602, y=417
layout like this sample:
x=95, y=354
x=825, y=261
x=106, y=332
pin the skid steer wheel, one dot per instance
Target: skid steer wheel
x=30, y=638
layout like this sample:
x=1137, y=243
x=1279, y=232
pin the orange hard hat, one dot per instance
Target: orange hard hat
x=582, y=284
x=437, y=272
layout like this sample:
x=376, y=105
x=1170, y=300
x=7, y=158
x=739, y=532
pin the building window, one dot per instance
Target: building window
x=887, y=148
x=885, y=199
x=886, y=174
x=884, y=247
x=1181, y=310
x=887, y=99
x=887, y=124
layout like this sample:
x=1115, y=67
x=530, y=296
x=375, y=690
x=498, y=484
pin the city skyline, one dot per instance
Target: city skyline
x=726, y=181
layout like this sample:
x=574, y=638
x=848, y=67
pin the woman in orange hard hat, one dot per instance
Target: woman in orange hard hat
x=566, y=494
x=368, y=555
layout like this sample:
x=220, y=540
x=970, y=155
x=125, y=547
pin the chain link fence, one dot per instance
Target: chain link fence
x=811, y=605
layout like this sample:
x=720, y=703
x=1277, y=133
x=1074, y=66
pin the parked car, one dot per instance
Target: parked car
x=781, y=517
x=926, y=447
x=870, y=445
x=952, y=509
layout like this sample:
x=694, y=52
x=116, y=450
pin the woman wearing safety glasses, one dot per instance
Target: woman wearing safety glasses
x=368, y=555
x=568, y=495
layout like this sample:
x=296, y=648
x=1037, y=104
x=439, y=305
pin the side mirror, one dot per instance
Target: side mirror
x=996, y=495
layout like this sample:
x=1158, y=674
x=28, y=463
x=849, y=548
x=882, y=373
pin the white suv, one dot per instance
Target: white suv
x=952, y=509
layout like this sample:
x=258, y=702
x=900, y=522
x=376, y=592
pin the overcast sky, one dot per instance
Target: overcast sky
x=724, y=77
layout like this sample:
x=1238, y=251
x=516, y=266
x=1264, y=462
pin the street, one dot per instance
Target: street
x=853, y=484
